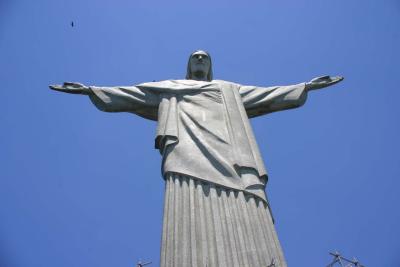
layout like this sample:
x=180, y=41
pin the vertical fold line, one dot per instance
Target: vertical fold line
x=185, y=217
x=265, y=229
x=278, y=247
x=176, y=221
x=253, y=227
x=203, y=222
x=269, y=226
x=218, y=232
x=211, y=242
x=260, y=244
x=240, y=231
x=249, y=231
x=163, y=256
x=226, y=234
x=171, y=223
x=233, y=238
x=241, y=222
x=192, y=223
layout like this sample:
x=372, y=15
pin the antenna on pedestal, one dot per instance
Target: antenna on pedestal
x=339, y=260
x=140, y=264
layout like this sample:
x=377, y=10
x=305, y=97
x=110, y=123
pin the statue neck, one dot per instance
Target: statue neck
x=199, y=76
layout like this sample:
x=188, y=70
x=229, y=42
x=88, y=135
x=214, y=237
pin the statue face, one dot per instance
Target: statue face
x=200, y=62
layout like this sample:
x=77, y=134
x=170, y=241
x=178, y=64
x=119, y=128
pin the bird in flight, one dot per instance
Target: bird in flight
x=72, y=24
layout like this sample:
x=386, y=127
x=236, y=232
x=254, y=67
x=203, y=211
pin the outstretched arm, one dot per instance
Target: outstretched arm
x=263, y=100
x=141, y=100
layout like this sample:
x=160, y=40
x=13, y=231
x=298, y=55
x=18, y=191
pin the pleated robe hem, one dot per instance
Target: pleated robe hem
x=206, y=225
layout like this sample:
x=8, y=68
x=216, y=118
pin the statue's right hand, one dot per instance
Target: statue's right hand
x=72, y=88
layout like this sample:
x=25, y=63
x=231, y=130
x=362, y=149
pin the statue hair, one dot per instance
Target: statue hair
x=189, y=71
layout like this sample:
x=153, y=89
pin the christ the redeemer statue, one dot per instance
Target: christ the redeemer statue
x=216, y=211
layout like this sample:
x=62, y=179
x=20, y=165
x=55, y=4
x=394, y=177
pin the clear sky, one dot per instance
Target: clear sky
x=80, y=187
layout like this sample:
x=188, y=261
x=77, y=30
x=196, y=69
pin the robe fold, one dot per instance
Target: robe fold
x=203, y=127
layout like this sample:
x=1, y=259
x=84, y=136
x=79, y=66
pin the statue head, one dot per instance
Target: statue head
x=199, y=66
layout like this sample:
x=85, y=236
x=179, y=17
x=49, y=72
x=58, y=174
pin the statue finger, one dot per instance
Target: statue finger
x=55, y=87
x=336, y=79
x=72, y=84
x=339, y=78
x=321, y=78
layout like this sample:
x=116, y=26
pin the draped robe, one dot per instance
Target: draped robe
x=203, y=127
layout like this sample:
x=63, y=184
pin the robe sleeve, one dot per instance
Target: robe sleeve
x=263, y=100
x=142, y=101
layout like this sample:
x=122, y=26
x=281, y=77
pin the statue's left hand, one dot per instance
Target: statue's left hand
x=323, y=81
x=71, y=88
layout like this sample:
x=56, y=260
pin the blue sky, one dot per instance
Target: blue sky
x=79, y=187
